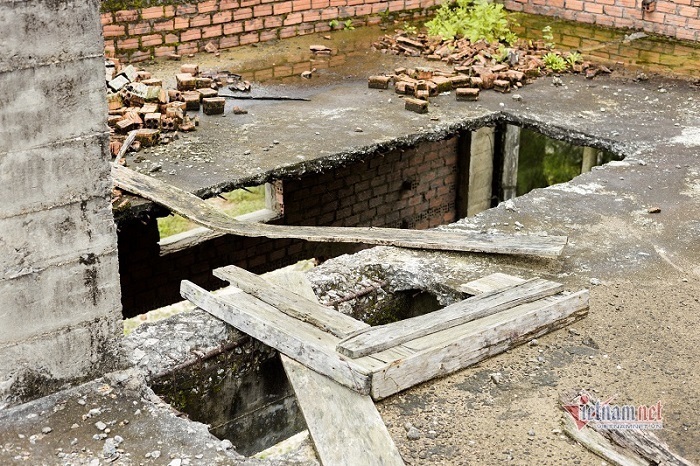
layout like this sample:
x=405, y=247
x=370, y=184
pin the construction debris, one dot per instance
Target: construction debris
x=478, y=65
x=265, y=313
x=204, y=214
x=138, y=102
x=624, y=446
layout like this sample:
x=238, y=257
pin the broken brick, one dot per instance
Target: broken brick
x=207, y=92
x=424, y=73
x=185, y=82
x=203, y=82
x=189, y=68
x=501, y=85
x=114, y=101
x=443, y=84
x=152, y=120
x=468, y=94
x=379, y=82
x=416, y=105
x=460, y=81
x=213, y=105
x=148, y=137
x=129, y=73
x=192, y=99
x=148, y=108
x=118, y=83
x=153, y=82
x=422, y=94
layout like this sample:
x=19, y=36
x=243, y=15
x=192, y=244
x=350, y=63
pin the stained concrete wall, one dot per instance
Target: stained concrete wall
x=59, y=285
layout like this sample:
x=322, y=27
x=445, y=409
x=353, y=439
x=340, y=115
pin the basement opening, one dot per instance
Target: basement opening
x=240, y=389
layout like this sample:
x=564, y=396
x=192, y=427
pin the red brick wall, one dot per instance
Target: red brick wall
x=677, y=18
x=157, y=31
x=411, y=188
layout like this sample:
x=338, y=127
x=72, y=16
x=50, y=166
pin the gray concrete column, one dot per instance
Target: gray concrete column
x=60, y=311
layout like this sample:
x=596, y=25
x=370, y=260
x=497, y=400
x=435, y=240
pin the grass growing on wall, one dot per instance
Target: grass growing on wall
x=238, y=202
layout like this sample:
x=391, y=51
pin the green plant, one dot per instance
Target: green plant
x=573, y=58
x=554, y=62
x=348, y=25
x=333, y=23
x=473, y=19
x=503, y=53
x=410, y=29
x=547, y=37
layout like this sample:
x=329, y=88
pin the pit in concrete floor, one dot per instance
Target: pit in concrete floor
x=243, y=393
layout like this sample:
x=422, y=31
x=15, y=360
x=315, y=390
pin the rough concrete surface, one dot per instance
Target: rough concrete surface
x=639, y=341
x=114, y=420
x=59, y=286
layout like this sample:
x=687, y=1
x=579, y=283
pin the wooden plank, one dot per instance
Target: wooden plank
x=601, y=446
x=292, y=304
x=453, y=349
x=204, y=214
x=381, y=337
x=346, y=427
x=300, y=341
x=489, y=283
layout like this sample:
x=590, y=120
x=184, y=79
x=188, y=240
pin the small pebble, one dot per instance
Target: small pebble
x=100, y=425
x=413, y=434
x=46, y=430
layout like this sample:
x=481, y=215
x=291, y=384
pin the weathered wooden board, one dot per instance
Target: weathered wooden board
x=346, y=427
x=375, y=339
x=292, y=304
x=601, y=446
x=202, y=213
x=453, y=349
x=495, y=281
x=300, y=341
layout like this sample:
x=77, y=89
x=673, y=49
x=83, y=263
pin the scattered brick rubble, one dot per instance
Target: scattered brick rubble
x=474, y=67
x=138, y=102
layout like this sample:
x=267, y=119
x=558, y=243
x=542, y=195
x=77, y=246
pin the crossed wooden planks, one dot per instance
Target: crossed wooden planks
x=310, y=333
x=204, y=214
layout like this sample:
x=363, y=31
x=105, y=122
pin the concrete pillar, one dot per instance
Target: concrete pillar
x=60, y=307
x=590, y=159
x=480, y=170
x=511, y=154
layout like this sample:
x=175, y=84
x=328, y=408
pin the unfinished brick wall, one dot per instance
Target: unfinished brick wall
x=609, y=46
x=186, y=27
x=676, y=18
x=411, y=188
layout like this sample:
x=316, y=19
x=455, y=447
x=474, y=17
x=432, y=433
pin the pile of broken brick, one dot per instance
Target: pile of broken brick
x=474, y=67
x=140, y=105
